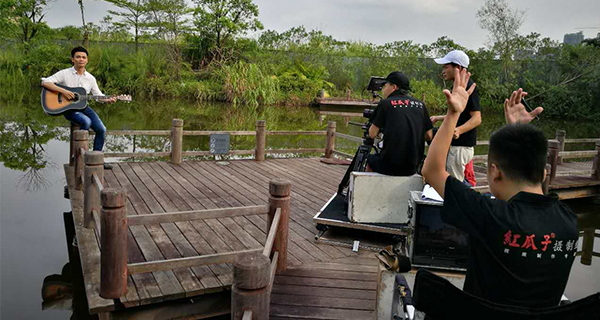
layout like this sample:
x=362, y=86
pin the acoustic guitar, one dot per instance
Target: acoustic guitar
x=55, y=103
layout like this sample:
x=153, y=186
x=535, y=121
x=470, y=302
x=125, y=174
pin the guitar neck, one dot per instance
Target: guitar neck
x=93, y=97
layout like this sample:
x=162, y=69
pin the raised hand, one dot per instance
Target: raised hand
x=514, y=110
x=457, y=100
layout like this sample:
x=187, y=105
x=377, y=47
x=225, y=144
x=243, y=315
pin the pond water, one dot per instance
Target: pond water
x=34, y=146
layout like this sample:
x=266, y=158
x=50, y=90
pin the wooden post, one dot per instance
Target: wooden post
x=546, y=182
x=94, y=165
x=113, y=256
x=176, y=140
x=80, y=141
x=553, y=146
x=560, y=136
x=279, y=197
x=74, y=128
x=587, y=247
x=330, y=142
x=596, y=164
x=261, y=140
x=250, y=289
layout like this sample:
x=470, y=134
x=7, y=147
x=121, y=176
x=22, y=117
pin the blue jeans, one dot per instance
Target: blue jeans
x=87, y=119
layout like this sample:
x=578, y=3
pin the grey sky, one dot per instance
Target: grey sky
x=380, y=21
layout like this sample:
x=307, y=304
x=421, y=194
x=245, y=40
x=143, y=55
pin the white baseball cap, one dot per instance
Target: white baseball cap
x=455, y=56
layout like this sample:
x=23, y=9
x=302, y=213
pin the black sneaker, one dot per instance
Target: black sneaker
x=108, y=166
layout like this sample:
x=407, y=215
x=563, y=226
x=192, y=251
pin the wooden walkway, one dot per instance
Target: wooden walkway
x=322, y=281
x=344, y=288
x=158, y=187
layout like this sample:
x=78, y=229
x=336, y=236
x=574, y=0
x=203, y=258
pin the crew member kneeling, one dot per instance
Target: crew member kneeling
x=406, y=123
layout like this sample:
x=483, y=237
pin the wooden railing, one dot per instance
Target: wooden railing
x=253, y=275
x=105, y=211
x=556, y=154
x=176, y=137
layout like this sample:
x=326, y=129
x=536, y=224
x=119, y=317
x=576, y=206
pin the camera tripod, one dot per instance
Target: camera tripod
x=359, y=162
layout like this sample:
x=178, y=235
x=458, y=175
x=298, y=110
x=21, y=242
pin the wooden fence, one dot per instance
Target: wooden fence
x=105, y=211
x=176, y=137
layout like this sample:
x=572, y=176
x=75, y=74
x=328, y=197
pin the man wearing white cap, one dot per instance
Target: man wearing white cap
x=465, y=135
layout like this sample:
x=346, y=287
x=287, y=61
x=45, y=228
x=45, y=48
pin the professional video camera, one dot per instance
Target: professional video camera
x=375, y=85
x=359, y=162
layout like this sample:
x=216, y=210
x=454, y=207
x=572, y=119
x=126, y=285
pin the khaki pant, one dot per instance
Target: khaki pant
x=458, y=158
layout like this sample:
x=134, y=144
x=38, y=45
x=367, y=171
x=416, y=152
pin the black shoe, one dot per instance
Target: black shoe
x=108, y=166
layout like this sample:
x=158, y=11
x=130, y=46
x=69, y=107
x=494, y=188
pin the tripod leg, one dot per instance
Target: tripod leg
x=346, y=178
x=365, y=150
x=358, y=164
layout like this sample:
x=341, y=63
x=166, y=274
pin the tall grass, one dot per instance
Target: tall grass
x=247, y=84
x=12, y=78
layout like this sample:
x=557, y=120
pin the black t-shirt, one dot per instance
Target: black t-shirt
x=521, y=249
x=405, y=120
x=468, y=139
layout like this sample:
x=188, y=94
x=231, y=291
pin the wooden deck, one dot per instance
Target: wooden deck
x=322, y=281
x=344, y=288
x=163, y=187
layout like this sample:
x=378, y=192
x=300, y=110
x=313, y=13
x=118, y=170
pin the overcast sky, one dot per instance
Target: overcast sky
x=422, y=21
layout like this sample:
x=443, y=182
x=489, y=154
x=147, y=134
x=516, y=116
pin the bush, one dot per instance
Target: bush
x=431, y=94
x=247, y=84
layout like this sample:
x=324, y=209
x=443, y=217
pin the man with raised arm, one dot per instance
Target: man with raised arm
x=522, y=243
x=462, y=147
x=77, y=76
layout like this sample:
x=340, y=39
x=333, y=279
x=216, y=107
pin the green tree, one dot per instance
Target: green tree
x=22, y=19
x=169, y=20
x=133, y=14
x=221, y=20
x=503, y=24
x=441, y=47
x=68, y=33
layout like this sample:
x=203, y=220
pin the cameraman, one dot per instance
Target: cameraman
x=407, y=125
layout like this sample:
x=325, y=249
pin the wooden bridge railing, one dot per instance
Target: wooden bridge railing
x=176, y=137
x=105, y=211
x=254, y=274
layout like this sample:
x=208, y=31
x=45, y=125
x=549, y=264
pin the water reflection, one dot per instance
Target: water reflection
x=57, y=290
x=25, y=130
x=22, y=148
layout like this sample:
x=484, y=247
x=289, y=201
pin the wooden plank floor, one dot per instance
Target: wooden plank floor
x=162, y=187
x=344, y=288
x=333, y=273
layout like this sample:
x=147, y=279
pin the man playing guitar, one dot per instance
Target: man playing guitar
x=76, y=76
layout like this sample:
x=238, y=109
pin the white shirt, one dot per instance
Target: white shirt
x=70, y=78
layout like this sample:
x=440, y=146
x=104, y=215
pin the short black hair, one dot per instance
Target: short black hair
x=78, y=49
x=520, y=151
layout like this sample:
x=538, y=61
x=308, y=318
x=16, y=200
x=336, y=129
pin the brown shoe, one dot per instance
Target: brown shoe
x=389, y=260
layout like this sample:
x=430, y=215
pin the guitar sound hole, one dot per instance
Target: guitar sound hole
x=76, y=98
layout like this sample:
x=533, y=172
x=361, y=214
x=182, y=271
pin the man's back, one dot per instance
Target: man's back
x=522, y=249
x=405, y=121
